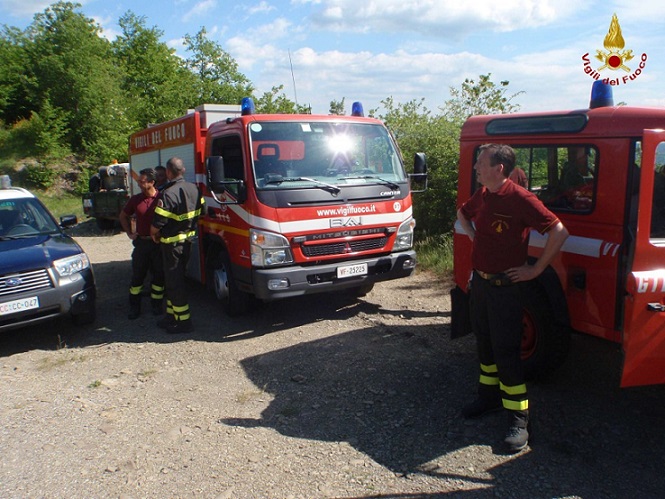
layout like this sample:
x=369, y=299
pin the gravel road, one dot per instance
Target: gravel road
x=315, y=397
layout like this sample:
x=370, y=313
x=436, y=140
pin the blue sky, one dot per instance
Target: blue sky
x=406, y=49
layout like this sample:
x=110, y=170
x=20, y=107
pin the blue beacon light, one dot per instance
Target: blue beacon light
x=357, y=109
x=247, y=106
x=601, y=95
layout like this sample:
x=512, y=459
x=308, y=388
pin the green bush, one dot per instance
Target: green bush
x=38, y=176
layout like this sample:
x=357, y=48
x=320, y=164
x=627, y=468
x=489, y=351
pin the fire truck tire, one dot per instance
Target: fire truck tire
x=220, y=276
x=545, y=342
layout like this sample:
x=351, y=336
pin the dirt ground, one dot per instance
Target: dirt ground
x=315, y=397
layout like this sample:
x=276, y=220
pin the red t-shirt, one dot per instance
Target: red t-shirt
x=503, y=221
x=144, y=208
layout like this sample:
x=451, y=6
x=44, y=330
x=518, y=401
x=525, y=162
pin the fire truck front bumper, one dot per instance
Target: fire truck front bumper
x=284, y=282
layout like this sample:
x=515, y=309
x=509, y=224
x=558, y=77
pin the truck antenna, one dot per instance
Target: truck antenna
x=293, y=77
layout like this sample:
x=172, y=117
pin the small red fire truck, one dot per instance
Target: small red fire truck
x=295, y=204
x=602, y=171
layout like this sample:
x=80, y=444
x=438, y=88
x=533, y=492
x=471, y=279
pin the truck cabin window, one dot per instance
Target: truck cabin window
x=289, y=155
x=562, y=176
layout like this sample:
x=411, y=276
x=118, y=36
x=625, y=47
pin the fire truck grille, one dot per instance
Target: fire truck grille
x=24, y=282
x=343, y=248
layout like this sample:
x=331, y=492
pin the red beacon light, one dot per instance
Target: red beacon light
x=357, y=109
x=601, y=95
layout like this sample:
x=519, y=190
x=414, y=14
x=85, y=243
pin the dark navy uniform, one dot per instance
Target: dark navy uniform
x=176, y=217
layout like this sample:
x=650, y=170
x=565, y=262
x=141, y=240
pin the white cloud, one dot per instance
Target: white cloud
x=262, y=8
x=449, y=18
x=27, y=8
x=199, y=10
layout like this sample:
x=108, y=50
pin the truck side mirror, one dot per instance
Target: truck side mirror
x=419, y=176
x=218, y=183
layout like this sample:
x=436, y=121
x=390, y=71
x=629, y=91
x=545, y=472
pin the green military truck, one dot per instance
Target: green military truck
x=109, y=190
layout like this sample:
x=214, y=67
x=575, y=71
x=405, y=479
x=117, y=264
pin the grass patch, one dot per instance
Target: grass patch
x=62, y=204
x=95, y=384
x=435, y=253
x=48, y=363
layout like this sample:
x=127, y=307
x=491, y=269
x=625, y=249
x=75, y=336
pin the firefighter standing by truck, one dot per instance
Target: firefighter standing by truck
x=503, y=214
x=146, y=255
x=174, y=226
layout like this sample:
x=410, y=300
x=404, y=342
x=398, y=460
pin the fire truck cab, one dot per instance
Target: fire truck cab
x=602, y=171
x=295, y=204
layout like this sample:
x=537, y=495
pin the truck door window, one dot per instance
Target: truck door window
x=658, y=207
x=562, y=176
x=230, y=149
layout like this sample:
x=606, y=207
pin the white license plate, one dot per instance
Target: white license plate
x=13, y=307
x=351, y=270
x=87, y=203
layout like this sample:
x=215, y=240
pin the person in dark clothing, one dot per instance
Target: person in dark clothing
x=146, y=256
x=174, y=226
x=160, y=178
x=503, y=215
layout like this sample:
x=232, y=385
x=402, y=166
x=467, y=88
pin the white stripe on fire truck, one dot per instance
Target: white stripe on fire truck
x=310, y=224
x=578, y=245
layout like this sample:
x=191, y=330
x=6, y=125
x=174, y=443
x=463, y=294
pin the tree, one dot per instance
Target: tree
x=218, y=79
x=337, y=107
x=272, y=103
x=12, y=75
x=483, y=97
x=417, y=130
x=70, y=68
x=155, y=80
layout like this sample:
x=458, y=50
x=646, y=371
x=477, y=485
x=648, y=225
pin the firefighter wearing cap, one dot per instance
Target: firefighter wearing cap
x=503, y=215
x=173, y=226
x=146, y=256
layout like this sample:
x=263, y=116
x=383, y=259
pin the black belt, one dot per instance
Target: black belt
x=497, y=280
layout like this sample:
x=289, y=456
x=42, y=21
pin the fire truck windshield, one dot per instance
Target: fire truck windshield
x=289, y=154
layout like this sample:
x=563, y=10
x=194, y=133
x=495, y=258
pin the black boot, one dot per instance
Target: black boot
x=517, y=436
x=180, y=327
x=134, y=307
x=488, y=401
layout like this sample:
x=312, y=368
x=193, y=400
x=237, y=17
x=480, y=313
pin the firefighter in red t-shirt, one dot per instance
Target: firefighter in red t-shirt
x=503, y=215
x=146, y=256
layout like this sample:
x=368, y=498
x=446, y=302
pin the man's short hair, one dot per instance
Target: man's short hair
x=160, y=168
x=500, y=154
x=176, y=166
x=149, y=174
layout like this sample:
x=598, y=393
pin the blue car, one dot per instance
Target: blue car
x=44, y=273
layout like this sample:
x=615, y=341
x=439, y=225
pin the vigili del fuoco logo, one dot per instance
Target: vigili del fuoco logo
x=615, y=58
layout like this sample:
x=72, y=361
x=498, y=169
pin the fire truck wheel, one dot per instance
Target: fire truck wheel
x=220, y=276
x=545, y=343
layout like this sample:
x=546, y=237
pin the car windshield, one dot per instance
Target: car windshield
x=324, y=155
x=25, y=217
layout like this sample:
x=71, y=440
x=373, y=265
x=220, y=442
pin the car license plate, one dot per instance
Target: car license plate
x=351, y=270
x=87, y=203
x=13, y=307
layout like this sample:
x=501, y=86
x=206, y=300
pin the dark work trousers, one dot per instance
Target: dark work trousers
x=146, y=257
x=176, y=256
x=496, y=319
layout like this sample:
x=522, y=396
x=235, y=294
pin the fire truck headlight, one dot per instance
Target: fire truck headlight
x=269, y=249
x=404, y=239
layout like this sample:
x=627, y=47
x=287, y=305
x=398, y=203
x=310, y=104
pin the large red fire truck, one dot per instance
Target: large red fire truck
x=602, y=171
x=295, y=204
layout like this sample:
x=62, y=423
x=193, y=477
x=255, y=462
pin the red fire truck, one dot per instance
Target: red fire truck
x=602, y=171
x=295, y=204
